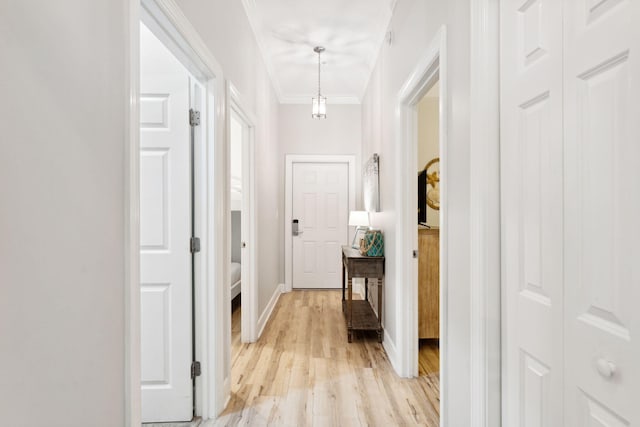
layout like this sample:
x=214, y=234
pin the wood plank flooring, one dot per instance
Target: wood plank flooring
x=303, y=372
x=429, y=357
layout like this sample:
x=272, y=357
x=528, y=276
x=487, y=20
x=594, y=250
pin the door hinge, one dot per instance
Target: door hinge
x=194, y=245
x=415, y=254
x=196, y=370
x=194, y=117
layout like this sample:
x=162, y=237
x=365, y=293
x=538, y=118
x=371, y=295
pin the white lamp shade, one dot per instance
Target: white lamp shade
x=319, y=107
x=359, y=218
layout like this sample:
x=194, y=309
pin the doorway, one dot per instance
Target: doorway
x=320, y=192
x=429, y=74
x=428, y=230
x=204, y=334
x=242, y=201
x=168, y=94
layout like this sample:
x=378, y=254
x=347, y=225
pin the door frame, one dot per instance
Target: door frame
x=484, y=209
x=290, y=159
x=175, y=30
x=485, y=286
x=248, y=285
x=431, y=68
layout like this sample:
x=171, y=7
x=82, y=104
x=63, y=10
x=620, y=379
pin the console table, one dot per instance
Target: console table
x=359, y=314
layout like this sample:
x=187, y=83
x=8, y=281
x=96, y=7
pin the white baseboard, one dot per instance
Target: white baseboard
x=392, y=352
x=266, y=314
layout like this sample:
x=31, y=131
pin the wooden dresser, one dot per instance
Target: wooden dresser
x=428, y=283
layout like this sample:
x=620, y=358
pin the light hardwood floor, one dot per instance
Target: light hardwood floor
x=303, y=372
x=429, y=357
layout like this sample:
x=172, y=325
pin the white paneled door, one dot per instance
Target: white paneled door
x=602, y=212
x=165, y=230
x=531, y=140
x=570, y=142
x=320, y=204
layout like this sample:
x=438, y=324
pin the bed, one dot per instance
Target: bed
x=235, y=276
x=235, y=279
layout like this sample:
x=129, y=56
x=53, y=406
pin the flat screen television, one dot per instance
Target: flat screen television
x=422, y=197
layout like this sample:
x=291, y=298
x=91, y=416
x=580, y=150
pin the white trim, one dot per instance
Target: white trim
x=290, y=159
x=213, y=387
x=430, y=68
x=249, y=285
x=484, y=185
x=132, y=345
x=249, y=10
x=331, y=100
x=390, y=349
x=268, y=310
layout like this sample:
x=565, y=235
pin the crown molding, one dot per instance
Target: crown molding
x=331, y=99
x=249, y=10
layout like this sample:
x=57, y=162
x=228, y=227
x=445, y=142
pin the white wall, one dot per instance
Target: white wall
x=414, y=25
x=224, y=27
x=340, y=134
x=62, y=139
x=236, y=129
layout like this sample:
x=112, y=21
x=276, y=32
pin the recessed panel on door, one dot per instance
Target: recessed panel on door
x=531, y=199
x=320, y=204
x=165, y=230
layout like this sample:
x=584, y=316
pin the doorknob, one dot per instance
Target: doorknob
x=606, y=368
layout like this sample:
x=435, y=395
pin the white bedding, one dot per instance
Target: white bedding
x=234, y=278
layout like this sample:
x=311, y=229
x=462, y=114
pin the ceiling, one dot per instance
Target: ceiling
x=351, y=31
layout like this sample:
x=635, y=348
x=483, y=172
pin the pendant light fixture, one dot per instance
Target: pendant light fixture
x=319, y=103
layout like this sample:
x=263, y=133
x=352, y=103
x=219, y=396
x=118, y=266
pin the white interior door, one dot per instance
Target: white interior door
x=165, y=230
x=602, y=202
x=571, y=235
x=531, y=145
x=320, y=203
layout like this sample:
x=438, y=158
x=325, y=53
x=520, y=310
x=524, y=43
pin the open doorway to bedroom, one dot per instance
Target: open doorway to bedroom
x=428, y=168
x=237, y=130
x=242, y=224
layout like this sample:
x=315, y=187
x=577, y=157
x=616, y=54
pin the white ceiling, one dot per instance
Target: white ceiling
x=351, y=31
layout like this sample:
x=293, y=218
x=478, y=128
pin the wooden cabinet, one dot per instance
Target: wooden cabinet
x=429, y=283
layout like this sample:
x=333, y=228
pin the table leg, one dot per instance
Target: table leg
x=380, y=305
x=343, y=285
x=366, y=289
x=350, y=310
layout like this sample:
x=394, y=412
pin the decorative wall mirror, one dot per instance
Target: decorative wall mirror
x=432, y=170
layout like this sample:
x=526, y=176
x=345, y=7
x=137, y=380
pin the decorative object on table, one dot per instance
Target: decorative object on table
x=432, y=170
x=372, y=244
x=319, y=103
x=371, y=184
x=359, y=219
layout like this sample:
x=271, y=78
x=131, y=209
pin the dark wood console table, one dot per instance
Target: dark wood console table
x=359, y=314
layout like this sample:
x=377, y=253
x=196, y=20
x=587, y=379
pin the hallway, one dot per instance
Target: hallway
x=303, y=372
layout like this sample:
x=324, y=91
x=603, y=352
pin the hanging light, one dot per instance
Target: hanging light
x=319, y=103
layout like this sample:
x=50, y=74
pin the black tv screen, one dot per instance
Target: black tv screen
x=422, y=197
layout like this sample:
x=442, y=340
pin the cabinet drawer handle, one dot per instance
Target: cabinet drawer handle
x=606, y=368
